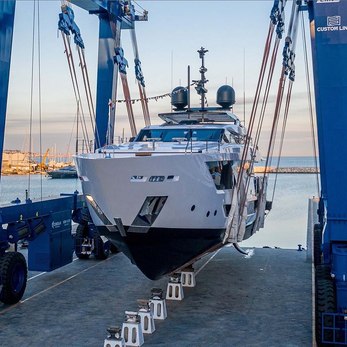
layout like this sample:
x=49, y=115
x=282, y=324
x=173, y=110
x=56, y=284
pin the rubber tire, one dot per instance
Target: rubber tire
x=317, y=244
x=325, y=303
x=101, y=248
x=10, y=264
x=323, y=272
x=81, y=232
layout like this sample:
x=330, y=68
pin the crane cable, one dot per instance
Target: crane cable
x=75, y=122
x=31, y=100
x=39, y=92
x=308, y=85
x=88, y=91
x=284, y=124
x=75, y=84
x=35, y=35
x=288, y=68
x=276, y=20
x=122, y=63
x=289, y=49
x=247, y=179
x=266, y=54
x=240, y=177
x=87, y=88
x=240, y=182
x=86, y=84
x=260, y=124
x=257, y=96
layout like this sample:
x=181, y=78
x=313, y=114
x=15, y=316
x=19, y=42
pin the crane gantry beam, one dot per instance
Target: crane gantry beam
x=7, y=12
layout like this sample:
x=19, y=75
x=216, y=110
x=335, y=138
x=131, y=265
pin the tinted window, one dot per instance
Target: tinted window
x=171, y=135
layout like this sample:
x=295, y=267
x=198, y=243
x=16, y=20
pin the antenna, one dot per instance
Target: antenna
x=200, y=85
x=172, y=71
x=188, y=90
x=244, y=86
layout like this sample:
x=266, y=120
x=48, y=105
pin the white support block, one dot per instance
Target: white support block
x=157, y=304
x=188, y=278
x=146, y=317
x=158, y=308
x=174, y=288
x=131, y=330
x=114, y=338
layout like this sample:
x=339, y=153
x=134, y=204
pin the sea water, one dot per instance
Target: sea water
x=285, y=225
x=37, y=186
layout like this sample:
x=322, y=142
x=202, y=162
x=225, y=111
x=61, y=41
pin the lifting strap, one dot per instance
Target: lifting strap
x=140, y=80
x=288, y=70
x=122, y=63
x=239, y=195
x=75, y=85
x=67, y=25
x=309, y=94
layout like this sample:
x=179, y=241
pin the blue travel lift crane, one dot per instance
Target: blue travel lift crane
x=328, y=24
x=46, y=223
x=36, y=221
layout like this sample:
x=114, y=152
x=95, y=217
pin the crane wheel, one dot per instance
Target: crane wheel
x=13, y=277
x=81, y=233
x=323, y=272
x=325, y=303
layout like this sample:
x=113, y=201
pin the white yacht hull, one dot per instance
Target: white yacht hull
x=191, y=221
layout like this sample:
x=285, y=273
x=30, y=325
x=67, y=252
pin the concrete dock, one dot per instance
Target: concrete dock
x=263, y=300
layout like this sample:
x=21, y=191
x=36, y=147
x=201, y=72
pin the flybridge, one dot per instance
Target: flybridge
x=200, y=117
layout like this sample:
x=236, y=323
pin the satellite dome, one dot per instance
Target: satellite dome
x=226, y=96
x=179, y=98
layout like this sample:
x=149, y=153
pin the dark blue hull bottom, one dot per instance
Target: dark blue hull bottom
x=160, y=251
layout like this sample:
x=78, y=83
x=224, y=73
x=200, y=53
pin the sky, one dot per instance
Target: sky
x=234, y=32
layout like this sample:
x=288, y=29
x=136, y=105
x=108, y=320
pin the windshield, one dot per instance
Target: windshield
x=171, y=135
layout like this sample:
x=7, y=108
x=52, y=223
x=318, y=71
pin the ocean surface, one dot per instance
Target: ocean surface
x=291, y=162
x=285, y=225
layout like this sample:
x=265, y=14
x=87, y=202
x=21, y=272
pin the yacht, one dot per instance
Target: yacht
x=178, y=190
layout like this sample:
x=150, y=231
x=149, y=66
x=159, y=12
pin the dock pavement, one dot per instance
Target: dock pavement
x=260, y=300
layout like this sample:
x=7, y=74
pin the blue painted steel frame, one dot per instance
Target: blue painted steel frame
x=104, y=80
x=329, y=49
x=7, y=12
x=334, y=329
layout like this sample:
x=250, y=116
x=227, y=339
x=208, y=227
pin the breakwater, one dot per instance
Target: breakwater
x=287, y=170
